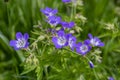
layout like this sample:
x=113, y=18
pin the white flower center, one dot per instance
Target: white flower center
x=50, y=14
x=94, y=42
x=20, y=43
x=61, y=41
x=84, y=48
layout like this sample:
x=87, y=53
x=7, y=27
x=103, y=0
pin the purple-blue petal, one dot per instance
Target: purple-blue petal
x=87, y=42
x=79, y=44
x=42, y=10
x=26, y=45
x=69, y=35
x=101, y=44
x=67, y=24
x=54, y=20
x=55, y=11
x=96, y=39
x=66, y=1
x=66, y=44
x=54, y=40
x=71, y=24
x=61, y=33
x=26, y=36
x=49, y=11
x=90, y=36
x=74, y=43
x=19, y=35
x=15, y=48
x=12, y=43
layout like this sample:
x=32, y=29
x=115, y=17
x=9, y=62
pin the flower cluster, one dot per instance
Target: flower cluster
x=50, y=13
x=62, y=39
x=54, y=20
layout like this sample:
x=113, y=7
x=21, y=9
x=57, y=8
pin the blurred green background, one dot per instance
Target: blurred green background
x=21, y=15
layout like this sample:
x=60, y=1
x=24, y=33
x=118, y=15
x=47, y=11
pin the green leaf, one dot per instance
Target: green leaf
x=28, y=70
x=39, y=73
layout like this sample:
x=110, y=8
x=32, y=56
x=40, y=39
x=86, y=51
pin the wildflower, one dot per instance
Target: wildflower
x=71, y=41
x=21, y=42
x=66, y=1
x=68, y=24
x=94, y=41
x=91, y=64
x=83, y=48
x=54, y=20
x=60, y=40
x=110, y=78
x=49, y=11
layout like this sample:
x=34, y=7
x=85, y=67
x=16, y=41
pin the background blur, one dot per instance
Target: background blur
x=103, y=17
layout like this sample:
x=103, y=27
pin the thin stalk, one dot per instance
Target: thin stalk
x=72, y=11
x=74, y=5
x=95, y=74
x=46, y=72
x=87, y=60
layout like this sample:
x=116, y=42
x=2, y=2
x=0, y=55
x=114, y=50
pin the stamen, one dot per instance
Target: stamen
x=20, y=43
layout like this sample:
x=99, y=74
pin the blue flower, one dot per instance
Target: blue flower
x=54, y=20
x=49, y=11
x=66, y=1
x=94, y=41
x=68, y=24
x=21, y=42
x=60, y=40
x=71, y=41
x=83, y=48
x=110, y=78
x=91, y=64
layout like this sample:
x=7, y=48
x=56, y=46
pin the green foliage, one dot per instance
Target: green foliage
x=42, y=61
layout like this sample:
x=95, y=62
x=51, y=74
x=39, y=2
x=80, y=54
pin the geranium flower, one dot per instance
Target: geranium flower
x=54, y=20
x=21, y=42
x=94, y=41
x=83, y=48
x=49, y=11
x=68, y=24
x=60, y=40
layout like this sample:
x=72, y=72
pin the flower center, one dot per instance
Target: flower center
x=61, y=40
x=84, y=48
x=20, y=43
x=94, y=42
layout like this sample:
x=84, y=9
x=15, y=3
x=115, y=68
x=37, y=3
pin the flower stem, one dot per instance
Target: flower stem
x=95, y=74
x=72, y=11
x=87, y=60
